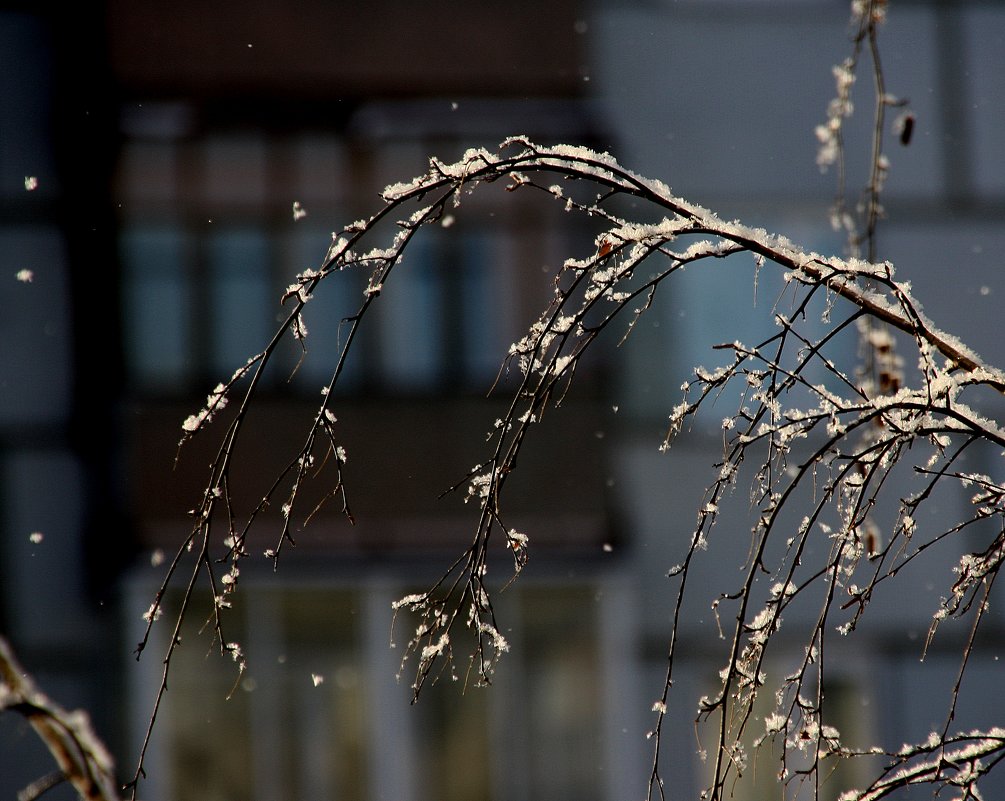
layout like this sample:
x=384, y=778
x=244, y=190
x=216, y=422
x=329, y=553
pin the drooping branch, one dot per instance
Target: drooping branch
x=855, y=436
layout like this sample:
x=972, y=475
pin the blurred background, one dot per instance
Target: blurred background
x=151, y=154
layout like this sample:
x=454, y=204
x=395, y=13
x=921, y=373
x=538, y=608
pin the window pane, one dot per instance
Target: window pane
x=243, y=304
x=411, y=320
x=487, y=318
x=323, y=686
x=155, y=305
x=293, y=725
x=235, y=169
x=563, y=694
x=452, y=743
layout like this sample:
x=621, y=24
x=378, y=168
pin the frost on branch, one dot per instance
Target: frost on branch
x=809, y=424
x=214, y=403
x=839, y=109
x=810, y=446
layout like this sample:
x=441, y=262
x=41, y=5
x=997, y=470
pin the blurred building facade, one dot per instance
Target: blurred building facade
x=169, y=147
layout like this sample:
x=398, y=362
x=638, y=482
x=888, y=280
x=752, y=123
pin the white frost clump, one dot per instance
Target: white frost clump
x=498, y=641
x=473, y=159
x=413, y=602
x=516, y=539
x=234, y=649
x=397, y=191
x=214, y=402
x=838, y=109
x=774, y=723
x=437, y=648
x=563, y=323
x=560, y=364
x=479, y=486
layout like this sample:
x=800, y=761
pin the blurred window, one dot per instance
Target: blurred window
x=318, y=714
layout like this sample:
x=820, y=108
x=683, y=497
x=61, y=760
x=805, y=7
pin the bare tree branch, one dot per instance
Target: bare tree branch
x=80, y=756
x=825, y=447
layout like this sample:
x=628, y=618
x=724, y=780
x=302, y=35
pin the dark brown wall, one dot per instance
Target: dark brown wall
x=317, y=48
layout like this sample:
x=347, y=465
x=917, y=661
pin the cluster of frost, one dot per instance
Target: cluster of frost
x=215, y=401
x=793, y=395
x=955, y=761
x=838, y=110
x=868, y=12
